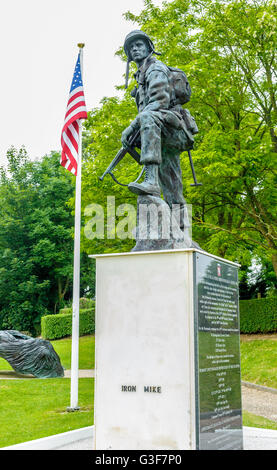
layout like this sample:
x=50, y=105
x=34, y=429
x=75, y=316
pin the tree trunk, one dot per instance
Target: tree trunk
x=61, y=292
x=274, y=262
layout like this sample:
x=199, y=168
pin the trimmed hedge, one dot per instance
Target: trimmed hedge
x=258, y=315
x=85, y=304
x=60, y=325
x=65, y=311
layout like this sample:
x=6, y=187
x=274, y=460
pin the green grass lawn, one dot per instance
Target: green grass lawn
x=86, y=351
x=35, y=408
x=254, y=421
x=259, y=359
x=31, y=409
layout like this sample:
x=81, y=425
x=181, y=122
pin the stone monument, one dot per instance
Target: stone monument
x=167, y=318
x=167, y=352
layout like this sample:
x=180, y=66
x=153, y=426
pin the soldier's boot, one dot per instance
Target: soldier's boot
x=150, y=184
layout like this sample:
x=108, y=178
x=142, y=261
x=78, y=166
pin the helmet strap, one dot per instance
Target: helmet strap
x=128, y=65
x=127, y=73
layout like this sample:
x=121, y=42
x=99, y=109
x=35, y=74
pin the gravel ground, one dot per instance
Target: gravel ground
x=260, y=402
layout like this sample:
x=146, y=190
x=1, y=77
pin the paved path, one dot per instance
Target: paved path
x=260, y=401
x=10, y=374
x=83, y=373
x=253, y=439
x=82, y=439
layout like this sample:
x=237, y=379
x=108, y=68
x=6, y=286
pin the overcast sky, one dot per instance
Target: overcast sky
x=38, y=41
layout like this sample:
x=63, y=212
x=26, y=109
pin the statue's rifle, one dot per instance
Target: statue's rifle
x=121, y=154
x=131, y=150
x=193, y=171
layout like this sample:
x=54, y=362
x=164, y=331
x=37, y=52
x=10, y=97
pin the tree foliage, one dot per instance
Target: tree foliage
x=228, y=50
x=36, y=240
x=101, y=143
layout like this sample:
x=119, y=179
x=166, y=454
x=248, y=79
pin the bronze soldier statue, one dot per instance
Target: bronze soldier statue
x=166, y=129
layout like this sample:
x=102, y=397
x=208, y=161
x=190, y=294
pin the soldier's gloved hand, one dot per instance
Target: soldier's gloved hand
x=126, y=134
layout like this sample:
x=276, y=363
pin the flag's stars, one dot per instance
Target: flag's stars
x=77, y=78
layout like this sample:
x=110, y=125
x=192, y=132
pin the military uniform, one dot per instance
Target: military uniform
x=165, y=130
x=157, y=107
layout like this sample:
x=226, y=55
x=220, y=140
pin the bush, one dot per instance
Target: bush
x=258, y=315
x=65, y=311
x=60, y=325
x=83, y=305
x=86, y=303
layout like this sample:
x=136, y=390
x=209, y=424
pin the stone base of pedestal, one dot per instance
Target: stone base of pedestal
x=167, y=352
x=160, y=227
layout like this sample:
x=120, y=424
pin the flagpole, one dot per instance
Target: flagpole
x=76, y=275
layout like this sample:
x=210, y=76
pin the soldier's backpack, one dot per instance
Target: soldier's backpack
x=180, y=90
x=189, y=121
x=181, y=95
x=180, y=85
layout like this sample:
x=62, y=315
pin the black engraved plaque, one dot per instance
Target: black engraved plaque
x=217, y=352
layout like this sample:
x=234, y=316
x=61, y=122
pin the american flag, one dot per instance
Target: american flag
x=76, y=110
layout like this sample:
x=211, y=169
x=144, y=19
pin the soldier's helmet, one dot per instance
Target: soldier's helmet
x=136, y=34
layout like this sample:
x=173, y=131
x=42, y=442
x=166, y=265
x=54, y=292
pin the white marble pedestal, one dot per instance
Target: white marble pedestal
x=147, y=380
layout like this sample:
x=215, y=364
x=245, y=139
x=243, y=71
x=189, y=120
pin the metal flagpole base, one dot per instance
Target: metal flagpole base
x=70, y=410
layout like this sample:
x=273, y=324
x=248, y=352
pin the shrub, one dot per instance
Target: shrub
x=258, y=315
x=83, y=305
x=86, y=303
x=60, y=325
x=65, y=311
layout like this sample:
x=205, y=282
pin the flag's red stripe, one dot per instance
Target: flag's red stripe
x=76, y=106
x=80, y=115
x=68, y=154
x=70, y=166
x=72, y=139
x=73, y=97
x=74, y=113
x=76, y=126
x=65, y=146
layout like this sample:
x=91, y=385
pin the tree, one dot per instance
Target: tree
x=36, y=240
x=101, y=143
x=228, y=51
